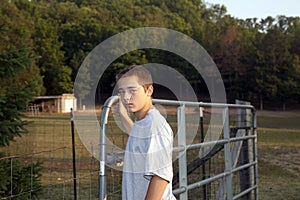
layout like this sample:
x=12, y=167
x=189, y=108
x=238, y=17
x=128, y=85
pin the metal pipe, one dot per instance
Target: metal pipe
x=102, y=146
x=73, y=154
x=245, y=192
x=202, y=140
x=255, y=152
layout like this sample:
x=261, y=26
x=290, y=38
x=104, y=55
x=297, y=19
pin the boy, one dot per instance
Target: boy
x=147, y=171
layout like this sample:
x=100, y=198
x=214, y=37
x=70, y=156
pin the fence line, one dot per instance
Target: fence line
x=49, y=142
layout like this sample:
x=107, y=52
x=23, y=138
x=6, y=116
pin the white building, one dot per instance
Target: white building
x=58, y=103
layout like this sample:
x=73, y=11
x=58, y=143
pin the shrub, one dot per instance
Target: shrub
x=20, y=180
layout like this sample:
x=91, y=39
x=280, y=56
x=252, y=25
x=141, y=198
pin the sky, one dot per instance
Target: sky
x=243, y=9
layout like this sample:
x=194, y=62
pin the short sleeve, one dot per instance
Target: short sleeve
x=159, y=155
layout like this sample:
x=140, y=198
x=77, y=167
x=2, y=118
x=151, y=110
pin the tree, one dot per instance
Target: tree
x=272, y=66
x=63, y=32
x=20, y=81
x=228, y=60
x=57, y=77
x=17, y=89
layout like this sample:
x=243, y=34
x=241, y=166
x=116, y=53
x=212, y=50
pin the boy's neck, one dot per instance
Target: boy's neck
x=141, y=114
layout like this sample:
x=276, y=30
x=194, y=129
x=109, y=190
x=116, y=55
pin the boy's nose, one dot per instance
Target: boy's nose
x=127, y=95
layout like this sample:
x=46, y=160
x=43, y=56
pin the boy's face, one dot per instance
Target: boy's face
x=133, y=95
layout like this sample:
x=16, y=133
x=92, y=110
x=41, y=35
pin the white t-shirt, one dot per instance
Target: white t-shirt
x=148, y=153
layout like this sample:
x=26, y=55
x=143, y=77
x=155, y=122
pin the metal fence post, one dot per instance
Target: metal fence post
x=255, y=152
x=204, y=193
x=102, y=145
x=102, y=152
x=182, y=155
x=73, y=154
x=102, y=160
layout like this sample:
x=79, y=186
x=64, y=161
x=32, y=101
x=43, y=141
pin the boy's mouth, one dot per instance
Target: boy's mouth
x=129, y=104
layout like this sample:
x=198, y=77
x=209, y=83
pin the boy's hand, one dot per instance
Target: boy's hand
x=120, y=111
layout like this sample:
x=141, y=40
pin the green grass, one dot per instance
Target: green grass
x=279, y=122
x=281, y=137
x=279, y=156
x=279, y=119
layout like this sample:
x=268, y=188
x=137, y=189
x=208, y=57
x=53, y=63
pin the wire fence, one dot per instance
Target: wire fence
x=49, y=143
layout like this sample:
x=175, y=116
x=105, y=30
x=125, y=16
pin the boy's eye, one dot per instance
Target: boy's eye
x=121, y=92
x=133, y=91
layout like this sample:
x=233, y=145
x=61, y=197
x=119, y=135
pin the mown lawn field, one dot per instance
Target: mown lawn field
x=279, y=155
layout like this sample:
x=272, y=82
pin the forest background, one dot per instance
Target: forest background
x=257, y=58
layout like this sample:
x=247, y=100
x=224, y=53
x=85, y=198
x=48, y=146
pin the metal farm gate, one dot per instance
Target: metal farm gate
x=218, y=162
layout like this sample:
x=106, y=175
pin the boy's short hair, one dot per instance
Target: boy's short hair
x=143, y=75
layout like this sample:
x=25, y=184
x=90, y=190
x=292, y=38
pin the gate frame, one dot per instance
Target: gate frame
x=182, y=191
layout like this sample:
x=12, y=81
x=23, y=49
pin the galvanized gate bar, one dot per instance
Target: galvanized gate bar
x=102, y=146
x=250, y=189
x=182, y=155
x=204, y=144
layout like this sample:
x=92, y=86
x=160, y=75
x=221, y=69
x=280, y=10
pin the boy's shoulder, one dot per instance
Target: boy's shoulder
x=157, y=119
x=155, y=114
x=152, y=116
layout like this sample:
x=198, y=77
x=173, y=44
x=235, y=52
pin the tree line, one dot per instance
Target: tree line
x=257, y=58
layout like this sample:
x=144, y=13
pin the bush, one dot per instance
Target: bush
x=20, y=180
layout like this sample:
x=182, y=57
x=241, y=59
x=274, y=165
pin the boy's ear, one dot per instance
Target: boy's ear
x=150, y=90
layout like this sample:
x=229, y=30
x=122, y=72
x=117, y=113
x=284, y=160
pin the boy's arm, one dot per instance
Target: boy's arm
x=156, y=188
x=126, y=121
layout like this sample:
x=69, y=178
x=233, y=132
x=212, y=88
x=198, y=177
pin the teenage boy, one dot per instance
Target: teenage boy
x=147, y=171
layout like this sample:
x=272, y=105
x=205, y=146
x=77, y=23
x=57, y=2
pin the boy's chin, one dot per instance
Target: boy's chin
x=131, y=110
